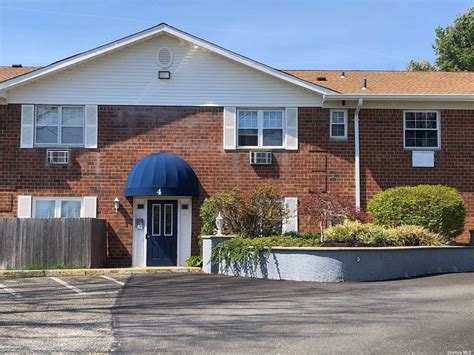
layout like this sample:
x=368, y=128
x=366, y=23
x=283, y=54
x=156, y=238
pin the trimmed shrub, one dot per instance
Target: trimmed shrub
x=358, y=234
x=256, y=214
x=438, y=208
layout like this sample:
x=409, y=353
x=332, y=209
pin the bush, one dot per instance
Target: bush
x=246, y=251
x=294, y=234
x=438, y=208
x=256, y=214
x=223, y=202
x=194, y=261
x=358, y=234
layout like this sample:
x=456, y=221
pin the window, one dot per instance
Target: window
x=59, y=125
x=156, y=225
x=260, y=128
x=57, y=208
x=168, y=220
x=338, y=126
x=421, y=129
x=248, y=128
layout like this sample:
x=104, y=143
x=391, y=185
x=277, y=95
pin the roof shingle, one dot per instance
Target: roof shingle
x=11, y=72
x=391, y=82
x=379, y=82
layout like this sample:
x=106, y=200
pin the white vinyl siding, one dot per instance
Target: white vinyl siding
x=130, y=77
x=421, y=130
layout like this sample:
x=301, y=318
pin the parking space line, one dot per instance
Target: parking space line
x=113, y=280
x=65, y=284
x=9, y=290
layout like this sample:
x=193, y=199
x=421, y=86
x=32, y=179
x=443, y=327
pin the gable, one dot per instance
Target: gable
x=130, y=77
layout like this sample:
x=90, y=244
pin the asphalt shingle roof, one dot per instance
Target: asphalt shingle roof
x=378, y=81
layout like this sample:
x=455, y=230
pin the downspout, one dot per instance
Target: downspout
x=357, y=153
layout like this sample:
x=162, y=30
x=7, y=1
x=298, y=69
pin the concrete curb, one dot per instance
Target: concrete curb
x=15, y=274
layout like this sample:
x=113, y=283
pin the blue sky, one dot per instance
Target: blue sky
x=298, y=34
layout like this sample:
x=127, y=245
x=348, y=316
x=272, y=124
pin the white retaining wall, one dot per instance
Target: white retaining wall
x=347, y=264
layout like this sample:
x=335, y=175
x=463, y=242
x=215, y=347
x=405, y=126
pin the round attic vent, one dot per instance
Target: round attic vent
x=164, y=57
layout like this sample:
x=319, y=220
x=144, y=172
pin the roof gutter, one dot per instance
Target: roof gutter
x=388, y=97
x=357, y=152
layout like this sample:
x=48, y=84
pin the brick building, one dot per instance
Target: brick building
x=140, y=131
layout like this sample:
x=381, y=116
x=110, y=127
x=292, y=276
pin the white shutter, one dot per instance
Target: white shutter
x=24, y=206
x=230, y=136
x=91, y=126
x=291, y=139
x=27, y=126
x=90, y=207
x=291, y=223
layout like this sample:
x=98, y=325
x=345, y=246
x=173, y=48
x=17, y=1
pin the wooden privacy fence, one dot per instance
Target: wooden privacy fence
x=78, y=242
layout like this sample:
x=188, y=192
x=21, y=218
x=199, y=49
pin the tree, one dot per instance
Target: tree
x=328, y=208
x=422, y=65
x=454, y=46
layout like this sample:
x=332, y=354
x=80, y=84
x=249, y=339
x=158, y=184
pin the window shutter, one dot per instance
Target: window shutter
x=230, y=136
x=291, y=223
x=27, y=126
x=91, y=126
x=90, y=207
x=291, y=141
x=24, y=206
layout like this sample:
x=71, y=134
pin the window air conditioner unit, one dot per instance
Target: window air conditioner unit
x=260, y=158
x=58, y=157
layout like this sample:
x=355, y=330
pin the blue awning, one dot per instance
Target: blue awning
x=162, y=174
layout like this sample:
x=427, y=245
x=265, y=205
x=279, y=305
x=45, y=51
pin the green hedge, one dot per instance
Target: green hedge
x=438, y=208
x=373, y=235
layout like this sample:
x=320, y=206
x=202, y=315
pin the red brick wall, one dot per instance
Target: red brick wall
x=128, y=133
x=384, y=162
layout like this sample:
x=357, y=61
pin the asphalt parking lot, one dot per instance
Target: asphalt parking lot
x=198, y=313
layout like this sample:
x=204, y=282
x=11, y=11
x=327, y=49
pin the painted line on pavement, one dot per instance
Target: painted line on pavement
x=9, y=290
x=113, y=280
x=65, y=284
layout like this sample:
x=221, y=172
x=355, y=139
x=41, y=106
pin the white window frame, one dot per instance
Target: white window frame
x=260, y=128
x=60, y=125
x=164, y=219
x=438, y=129
x=57, y=205
x=346, y=115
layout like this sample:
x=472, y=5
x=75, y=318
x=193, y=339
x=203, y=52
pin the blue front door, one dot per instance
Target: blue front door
x=162, y=233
